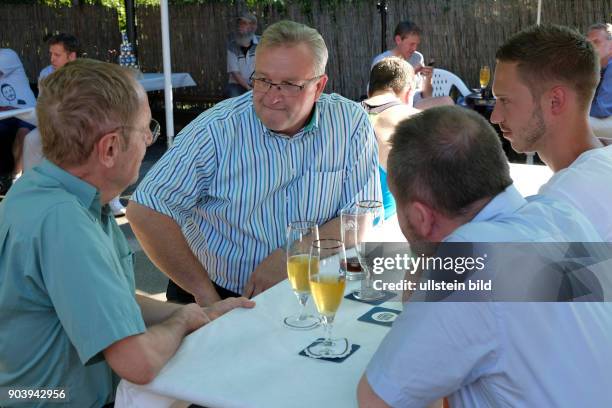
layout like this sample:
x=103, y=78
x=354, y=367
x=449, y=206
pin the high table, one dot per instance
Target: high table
x=248, y=358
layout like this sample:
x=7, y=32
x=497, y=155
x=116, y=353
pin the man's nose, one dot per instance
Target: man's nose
x=496, y=116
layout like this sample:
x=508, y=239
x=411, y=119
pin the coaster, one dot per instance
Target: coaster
x=349, y=350
x=386, y=296
x=381, y=316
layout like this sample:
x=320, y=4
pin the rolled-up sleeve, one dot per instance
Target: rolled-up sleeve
x=181, y=178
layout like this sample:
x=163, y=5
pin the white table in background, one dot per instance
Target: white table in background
x=25, y=114
x=155, y=81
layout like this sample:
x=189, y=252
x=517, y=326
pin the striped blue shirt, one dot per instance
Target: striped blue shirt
x=233, y=185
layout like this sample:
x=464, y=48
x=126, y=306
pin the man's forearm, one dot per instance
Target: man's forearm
x=155, y=311
x=140, y=357
x=164, y=243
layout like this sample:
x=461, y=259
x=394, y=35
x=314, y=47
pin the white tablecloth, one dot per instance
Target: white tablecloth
x=249, y=359
x=155, y=81
x=26, y=114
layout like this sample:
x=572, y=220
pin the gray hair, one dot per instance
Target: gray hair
x=602, y=26
x=288, y=32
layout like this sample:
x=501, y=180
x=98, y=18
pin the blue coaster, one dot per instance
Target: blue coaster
x=386, y=296
x=344, y=356
x=381, y=316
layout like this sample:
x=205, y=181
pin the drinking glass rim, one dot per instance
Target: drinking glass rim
x=337, y=243
x=299, y=224
x=369, y=204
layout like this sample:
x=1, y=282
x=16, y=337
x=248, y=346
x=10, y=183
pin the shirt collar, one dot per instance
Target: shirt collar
x=506, y=202
x=311, y=126
x=87, y=194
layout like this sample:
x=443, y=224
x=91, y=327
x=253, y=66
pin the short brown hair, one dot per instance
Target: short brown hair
x=81, y=102
x=391, y=73
x=406, y=28
x=448, y=157
x=549, y=53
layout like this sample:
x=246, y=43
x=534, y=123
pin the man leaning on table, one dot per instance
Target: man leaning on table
x=483, y=353
x=212, y=214
x=69, y=318
x=544, y=82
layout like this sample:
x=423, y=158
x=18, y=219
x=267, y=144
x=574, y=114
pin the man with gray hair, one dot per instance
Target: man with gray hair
x=451, y=181
x=600, y=35
x=241, y=55
x=212, y=213
x=69, y=317
x=544, y=82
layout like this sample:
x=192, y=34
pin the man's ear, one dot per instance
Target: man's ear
x=422, y=218
x=72, y=56
x=558, y=99
x=321, y=82
x=107, y=149
x=397, y=39
x=404, y=95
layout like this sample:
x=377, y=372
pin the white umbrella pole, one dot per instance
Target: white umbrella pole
x=539, y=18
x=167, y=72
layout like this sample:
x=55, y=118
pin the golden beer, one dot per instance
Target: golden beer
x=327, y=292
x=297, y=271
x=485, y=76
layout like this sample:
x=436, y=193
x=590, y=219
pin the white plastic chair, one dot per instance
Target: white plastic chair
x=443, y=80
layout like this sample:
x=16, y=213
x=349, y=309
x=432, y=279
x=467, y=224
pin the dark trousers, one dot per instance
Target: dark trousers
x=176, y=294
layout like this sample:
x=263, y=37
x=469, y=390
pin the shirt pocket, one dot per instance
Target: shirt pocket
x=316, y=196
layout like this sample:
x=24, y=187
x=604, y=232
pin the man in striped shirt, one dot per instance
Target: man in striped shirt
x=212, y=213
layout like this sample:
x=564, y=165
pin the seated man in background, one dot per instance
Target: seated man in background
x=69, y=317
x=544, y=83
x=63, y=48
x=391, y=82
x=241, y=55
x=15, y=93
x=407, y=37
x=600, y=35
x=213, y=211
x=451, y=181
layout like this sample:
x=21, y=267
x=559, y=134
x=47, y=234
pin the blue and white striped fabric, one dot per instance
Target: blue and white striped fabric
x=233, y=185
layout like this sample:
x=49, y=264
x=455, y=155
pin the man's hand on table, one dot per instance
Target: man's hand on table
x=268, y=273
x=220, y=308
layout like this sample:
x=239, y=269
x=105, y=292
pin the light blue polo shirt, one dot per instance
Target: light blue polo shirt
x=502, y=354
x=66, y=287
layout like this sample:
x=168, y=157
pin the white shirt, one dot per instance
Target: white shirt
x=501, y=354
x=14, y=85
x=587, y=185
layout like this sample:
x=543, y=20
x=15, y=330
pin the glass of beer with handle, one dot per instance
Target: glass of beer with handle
x=300, y=236
x=327, y=283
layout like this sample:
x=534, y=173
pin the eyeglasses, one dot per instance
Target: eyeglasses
x=154, y=128
x=285, y=88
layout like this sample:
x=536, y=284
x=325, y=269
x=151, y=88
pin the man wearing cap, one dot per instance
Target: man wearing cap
x=241, y=55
